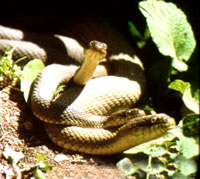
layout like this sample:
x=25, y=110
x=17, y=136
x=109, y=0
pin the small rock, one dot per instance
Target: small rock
x=61, y=157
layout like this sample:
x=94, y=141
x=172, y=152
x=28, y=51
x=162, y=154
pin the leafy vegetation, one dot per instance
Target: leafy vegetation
x=10, y=72
x=30, y=72
x=41, y=167
x=174, y=155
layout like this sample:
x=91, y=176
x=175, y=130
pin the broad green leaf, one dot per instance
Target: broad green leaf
x=30, y=72
x=179, y=175
x=170, y=30
x=185, y=89
x=155, y=166
x=186, y=166
x=188, y=147
x=177, y=132
x=158, y=151
x=179, y=65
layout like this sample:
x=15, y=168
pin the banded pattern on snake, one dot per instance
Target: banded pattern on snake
x=81, y=118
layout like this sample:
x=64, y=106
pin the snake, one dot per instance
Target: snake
x=96, y=113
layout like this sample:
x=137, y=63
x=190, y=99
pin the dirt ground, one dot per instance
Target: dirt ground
x=20, y=131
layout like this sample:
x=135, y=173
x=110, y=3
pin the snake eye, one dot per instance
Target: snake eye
x=154, y=118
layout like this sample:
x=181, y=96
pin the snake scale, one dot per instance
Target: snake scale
x=94, y=113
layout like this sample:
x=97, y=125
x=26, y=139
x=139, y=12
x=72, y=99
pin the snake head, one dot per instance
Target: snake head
x=146, y=128
x=99, y=47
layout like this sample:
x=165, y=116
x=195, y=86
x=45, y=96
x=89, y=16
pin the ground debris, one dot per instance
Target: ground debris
x=24, y=135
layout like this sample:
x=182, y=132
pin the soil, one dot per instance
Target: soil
x=21, y=132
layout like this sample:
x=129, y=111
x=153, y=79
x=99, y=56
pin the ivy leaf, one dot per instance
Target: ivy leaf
x=30, y=72
x=170, y=31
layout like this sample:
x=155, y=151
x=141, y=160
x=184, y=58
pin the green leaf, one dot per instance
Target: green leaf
x=40, y=157
x=59, y=90
x=158, y=151
x=186, y=166
x=44, y=166
x=185, y=89
x=188, y=147
x=179, y=175
x=179, y=85
x=179, y=65
x=134, y=31
x=190, y=125
x=9, y=70
x=30, y=72
x=170, y=30
x=190, y=101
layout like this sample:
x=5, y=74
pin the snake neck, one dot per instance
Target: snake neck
x=93, y=55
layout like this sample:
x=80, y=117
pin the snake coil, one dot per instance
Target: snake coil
x=91, y=115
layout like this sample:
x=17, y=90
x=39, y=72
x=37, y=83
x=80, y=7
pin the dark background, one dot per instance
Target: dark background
x=34, y=13
x=41, y=16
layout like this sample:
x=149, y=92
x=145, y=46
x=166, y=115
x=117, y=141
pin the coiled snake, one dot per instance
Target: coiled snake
x=93, y=115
